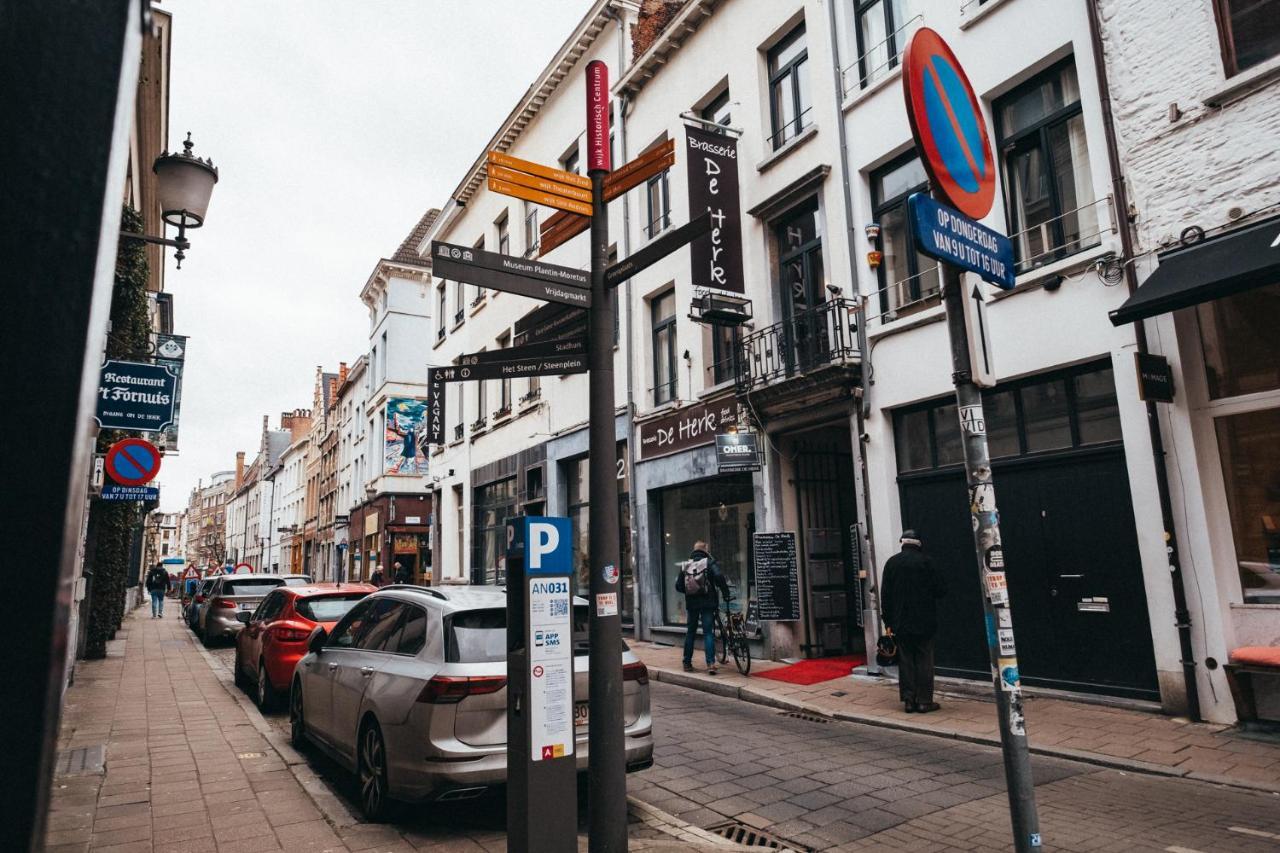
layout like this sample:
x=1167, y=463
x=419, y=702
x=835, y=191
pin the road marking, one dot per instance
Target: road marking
x=1244, y=830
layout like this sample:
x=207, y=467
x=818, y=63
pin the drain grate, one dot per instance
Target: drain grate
x=82, y=761
x=807, y=717
x=749, y=836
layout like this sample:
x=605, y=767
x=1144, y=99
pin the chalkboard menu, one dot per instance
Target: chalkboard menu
x=777, y=577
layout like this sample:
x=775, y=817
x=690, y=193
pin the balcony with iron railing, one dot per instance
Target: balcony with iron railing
x=816, y=344
x=1055, y=238
x=878, y=60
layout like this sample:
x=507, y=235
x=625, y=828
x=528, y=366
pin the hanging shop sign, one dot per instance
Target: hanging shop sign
x=1155, y=377
x=777, y=576
x=435, y=407
x=136, y=396
x=737, y=452
x=682, y=429
x=713, y=185
x=171, y=352
x=404, y=445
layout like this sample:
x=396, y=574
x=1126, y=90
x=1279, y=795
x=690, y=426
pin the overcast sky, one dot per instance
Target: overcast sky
x=334, y=126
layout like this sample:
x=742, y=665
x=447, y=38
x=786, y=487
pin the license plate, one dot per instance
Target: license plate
x=580, y=714
x=246, y=606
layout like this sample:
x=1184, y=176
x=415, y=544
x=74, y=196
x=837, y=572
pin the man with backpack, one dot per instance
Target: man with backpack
x=157, y=584
x=699, y=579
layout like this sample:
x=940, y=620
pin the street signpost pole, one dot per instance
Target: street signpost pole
x=607, y=769
x=991, y=574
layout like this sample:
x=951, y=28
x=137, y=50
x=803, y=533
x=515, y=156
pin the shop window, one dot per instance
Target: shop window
x=1045, y=416
x=1241, y=347
x=1046, y=168
x=789, y=100
x=1097, y=412
x=493, y=504
x=911, y=435
x=1249, y=31
x=905, y=276
x=718, y=512
x=663, y=310
x=577, y=475
x=1251, y=472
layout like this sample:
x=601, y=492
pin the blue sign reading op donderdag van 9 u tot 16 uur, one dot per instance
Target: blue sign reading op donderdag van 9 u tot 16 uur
x=947, y=234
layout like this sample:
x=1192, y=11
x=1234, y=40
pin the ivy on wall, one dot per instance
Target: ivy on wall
x=112, y=524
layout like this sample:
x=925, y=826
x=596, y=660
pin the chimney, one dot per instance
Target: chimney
x=654, y=17
x=239, y=469
x=342, y=373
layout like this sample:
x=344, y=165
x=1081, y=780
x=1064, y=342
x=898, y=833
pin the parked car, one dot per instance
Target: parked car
x=409, y=692
x=275, y=635
x=296, y=580
x=197, y=603
x=229, y=595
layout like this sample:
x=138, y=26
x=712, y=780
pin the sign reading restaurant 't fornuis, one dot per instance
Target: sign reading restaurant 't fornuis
x=716, y=257
x=684, y=428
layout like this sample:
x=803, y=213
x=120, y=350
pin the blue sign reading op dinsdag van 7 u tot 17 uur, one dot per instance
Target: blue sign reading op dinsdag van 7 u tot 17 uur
x=948, y=235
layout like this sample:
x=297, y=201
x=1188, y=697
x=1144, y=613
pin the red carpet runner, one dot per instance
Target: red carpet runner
x=815, y=670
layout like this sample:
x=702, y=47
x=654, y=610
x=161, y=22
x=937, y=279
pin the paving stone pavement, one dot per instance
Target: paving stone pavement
x=832, y=785
x=192, y=768
x=1140, y=740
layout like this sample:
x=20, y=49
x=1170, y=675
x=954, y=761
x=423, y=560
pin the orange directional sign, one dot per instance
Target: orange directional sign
x=546, y=185
x=529, y=167
x=640, y=170
x=539, y=197
x=563, y=230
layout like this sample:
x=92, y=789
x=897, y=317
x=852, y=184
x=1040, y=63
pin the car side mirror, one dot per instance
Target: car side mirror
x=318, y=638
x=244, y=616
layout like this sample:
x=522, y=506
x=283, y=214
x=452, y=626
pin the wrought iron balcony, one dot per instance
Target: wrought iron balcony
x=824, y=336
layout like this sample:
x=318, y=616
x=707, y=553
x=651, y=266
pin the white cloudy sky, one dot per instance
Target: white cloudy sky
x=334, y=125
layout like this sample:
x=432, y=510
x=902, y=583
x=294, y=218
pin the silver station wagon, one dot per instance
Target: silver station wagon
x=409, y=692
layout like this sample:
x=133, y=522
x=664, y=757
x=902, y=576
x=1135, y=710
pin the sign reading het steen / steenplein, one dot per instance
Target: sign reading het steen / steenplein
x=514, y=369
x=692, y=426
x=777, y=576
x=135, y=396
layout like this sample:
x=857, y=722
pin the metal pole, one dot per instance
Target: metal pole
x=991, y=576
x=607, y=769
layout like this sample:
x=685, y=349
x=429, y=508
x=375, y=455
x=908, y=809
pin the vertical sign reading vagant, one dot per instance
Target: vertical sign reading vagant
x=713, y=185
x=597, y=116
x=435, y=407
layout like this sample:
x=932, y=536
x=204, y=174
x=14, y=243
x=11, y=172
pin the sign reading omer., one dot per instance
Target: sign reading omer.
x=713, y=185
x=135, y=396
x=682, y=429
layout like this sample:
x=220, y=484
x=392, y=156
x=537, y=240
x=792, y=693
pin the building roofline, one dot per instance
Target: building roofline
x=673, y=36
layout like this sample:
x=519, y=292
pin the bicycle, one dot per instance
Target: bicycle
x=731, y=637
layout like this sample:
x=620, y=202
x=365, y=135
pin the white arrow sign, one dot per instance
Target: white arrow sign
x=981, y=359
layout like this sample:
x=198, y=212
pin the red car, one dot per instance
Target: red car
x=275, y=635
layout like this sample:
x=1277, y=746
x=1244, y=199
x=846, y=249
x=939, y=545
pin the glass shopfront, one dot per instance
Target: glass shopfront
x=494, y=504
x=720, y=512
x=578, y=490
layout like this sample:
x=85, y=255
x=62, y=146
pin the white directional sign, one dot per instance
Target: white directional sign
x=981, y=358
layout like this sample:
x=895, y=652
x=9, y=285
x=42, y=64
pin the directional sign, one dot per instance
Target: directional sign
x=545, y=349
x=515, y=368
x=562, y=231
x=474, y=267
x=946, y=119
x=546, y=185
x=135, y=396
x=657, y=250
x=539, y=197
x=112, y=492
x=133, y=462
x=554, y=273
x=982, y=364
x=532, y=168
x=550, y=323
x=640, y=169
x=948, y=235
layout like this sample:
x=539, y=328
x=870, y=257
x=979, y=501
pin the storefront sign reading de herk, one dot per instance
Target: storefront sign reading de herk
x=682, y=429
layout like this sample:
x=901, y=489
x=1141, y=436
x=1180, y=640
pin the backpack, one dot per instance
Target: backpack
x=695, y=577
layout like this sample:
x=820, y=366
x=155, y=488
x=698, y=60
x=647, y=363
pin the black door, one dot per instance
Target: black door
x=1074, y=572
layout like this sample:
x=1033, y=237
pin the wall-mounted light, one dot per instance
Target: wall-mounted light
x=872, y=230
x=874, y=258
x=184, y=184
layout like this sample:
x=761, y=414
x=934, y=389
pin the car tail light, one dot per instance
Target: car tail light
x=288, y=633
x=636, y=672
x=222, y=602
x=199, y=599
x=448, y=689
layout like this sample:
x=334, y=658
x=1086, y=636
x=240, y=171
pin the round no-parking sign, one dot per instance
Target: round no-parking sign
x=132, y=462
x=946, y=120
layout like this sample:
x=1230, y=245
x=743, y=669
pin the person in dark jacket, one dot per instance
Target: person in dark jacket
x=909, y=594
x=400, y=573
x=701, y=607
x=157, y=584
x=378, y=578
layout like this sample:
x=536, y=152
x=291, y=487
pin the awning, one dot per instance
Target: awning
x=1219, y=267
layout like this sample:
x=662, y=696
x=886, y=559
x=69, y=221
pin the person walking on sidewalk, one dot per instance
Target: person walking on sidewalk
x=909, y=593
x=157, y=584
x=378, y=578
x=699, y=579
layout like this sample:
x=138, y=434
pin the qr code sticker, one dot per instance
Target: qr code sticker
x=559, y=607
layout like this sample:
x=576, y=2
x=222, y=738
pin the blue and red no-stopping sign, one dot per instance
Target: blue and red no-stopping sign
x=133, y=462
x=947, y=122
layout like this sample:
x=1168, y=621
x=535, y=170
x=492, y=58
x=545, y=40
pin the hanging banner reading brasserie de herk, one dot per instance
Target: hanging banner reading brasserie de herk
x=713, y=184
x=405, y=444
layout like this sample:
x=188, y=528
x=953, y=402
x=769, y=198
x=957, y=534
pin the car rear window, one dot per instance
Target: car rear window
x=327, y=608
x=298, y=581
x=249, y=586
x=480, y=636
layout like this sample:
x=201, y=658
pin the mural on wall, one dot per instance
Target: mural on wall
x=404, y=444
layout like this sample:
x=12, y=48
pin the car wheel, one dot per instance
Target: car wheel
x=372, y=771
x=241, y=681
x=297, y=724
x=266, y=695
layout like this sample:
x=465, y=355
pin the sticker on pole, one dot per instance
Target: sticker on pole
x=607, y=604
x=997, y=588
x=948, y=126
x=133, y=462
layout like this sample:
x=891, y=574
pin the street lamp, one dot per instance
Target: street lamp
x=184, y=183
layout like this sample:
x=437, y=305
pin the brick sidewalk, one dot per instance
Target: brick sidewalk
x=1114, y=737
x=157, y=753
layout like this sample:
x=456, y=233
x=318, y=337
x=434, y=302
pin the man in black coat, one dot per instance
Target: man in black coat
x=908, y=594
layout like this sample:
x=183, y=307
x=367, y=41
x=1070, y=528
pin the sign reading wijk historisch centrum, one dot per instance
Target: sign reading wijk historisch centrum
x=135, y=396
x=713, y=185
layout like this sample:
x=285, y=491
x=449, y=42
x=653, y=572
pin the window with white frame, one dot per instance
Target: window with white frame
x=504, y=235
x=532, y=237
x=663, y=311
x=657, y=193
x=882, y=28
x=790, y=103
x=906, y=277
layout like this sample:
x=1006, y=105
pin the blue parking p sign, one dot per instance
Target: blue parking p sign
x=547, y=542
